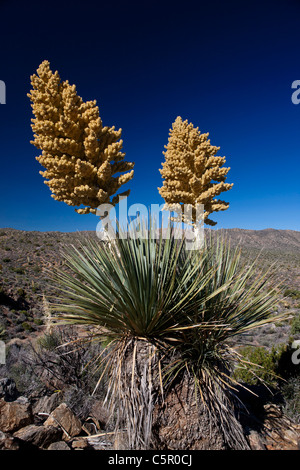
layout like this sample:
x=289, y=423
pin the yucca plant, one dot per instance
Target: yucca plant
x=166, y=313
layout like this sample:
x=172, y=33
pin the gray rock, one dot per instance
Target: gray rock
x=40, y=436
x=14, y=415
x=46, y=404
x=60, y=445
x=8, y=442
x=256, y=441
x=63, y=416
x=81, y=444
x=22, y=400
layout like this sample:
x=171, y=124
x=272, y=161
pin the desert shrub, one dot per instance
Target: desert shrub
x=60, y=358
x=293, y=293
x=22, y=313
x=49, y=341
x=295, y=325
x=21, y=292
x=267, y=366
x=18, y=367
x=260, y=366
x=26, y=326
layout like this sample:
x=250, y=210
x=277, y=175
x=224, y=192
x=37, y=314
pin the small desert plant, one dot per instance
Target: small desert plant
x=26, y=326
x=59, y=358
x=166, y=312
x=272, y=367
x=18, y=270
x=261, y=366
x=293, y=293
x=21, y=292
x=295, y=325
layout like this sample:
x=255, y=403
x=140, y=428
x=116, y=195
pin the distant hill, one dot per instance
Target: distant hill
x=269, y=238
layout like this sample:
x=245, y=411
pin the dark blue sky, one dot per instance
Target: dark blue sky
x=226, y=66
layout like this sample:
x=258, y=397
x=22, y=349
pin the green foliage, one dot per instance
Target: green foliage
x=21, y=292
x=293, y=293
x=26, y=326
x=295, y=325
x=49, y=341
x=6, y=260
x=270, y=367
x=260, y=366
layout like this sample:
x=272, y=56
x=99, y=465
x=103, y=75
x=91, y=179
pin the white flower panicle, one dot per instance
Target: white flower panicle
x=82, y=158
x=192, y=171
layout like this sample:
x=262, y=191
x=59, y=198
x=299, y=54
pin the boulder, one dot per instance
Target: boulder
x=256, y=441
x=46, y=404
x=8, y=442
x=40, y=436
x=59, y=445
x=81, y=444
x=64, y=417
x=281, y=433
x=14, y=415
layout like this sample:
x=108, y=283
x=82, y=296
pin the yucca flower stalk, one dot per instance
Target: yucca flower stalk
x=167, y=313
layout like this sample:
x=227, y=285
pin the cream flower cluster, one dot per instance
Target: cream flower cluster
x=192, y=171
x=80, y=156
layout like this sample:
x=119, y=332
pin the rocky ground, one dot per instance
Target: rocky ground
x=48, y=423
x=45, y=400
